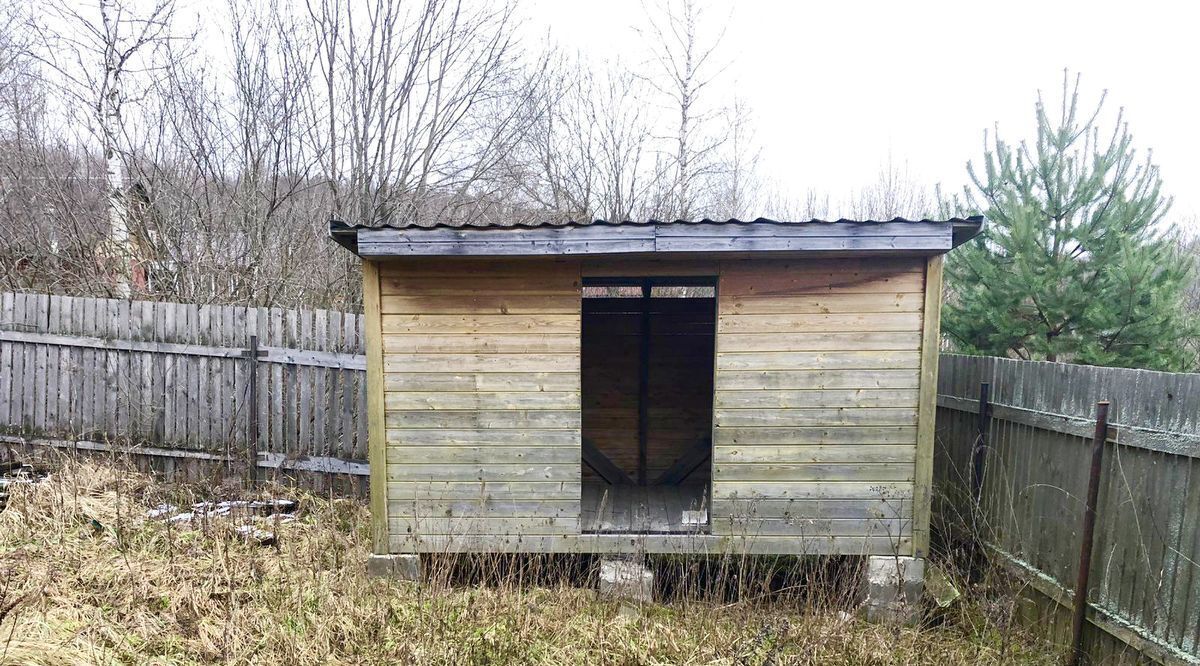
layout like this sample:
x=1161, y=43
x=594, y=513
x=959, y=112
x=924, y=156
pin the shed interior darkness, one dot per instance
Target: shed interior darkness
x=647, y=404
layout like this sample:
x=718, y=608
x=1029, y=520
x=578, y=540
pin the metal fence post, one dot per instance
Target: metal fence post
x=252, y=417
x=1089, y=530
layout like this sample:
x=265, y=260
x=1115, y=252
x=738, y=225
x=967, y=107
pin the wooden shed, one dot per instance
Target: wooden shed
x=755, y=387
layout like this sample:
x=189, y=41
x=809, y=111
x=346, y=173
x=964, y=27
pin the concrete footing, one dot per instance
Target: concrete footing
x=892, y=589
x=626, y=579
x=401, y=567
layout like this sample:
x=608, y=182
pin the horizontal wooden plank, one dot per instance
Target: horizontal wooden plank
x=820, y=434
x=597, y=308
x=822, y=360
x=422, y=508
x=488, y=382
x=707, y=544
x=486, y=525
x=491, y=491
x=484, y=455
x=281, y=355
x=812, y=323
x=804, y=341
x=791, y=399
x=434, y=400
x=88, y=445
x=601, y=267
x=782, y=418
x=488, y=473
x=813, y=526
x=527, y=282
x=754, y=380
x=527, y=419
x=816, y=453
x=804, y=508
x=322, y=464
x=484, y=438
x=788, y=280
x=482, y=302
x=749, y=490
x=467, y=363
x=532, y=343
x=822, y=303
x=765, y=268
x=319, y=359
x=461, y=324
x=804, y=472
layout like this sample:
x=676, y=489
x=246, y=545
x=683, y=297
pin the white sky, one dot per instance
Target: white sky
x=838, y=87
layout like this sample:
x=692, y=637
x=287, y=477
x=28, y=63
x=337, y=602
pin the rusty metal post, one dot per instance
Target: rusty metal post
x=252, y=415
x=1089, y=531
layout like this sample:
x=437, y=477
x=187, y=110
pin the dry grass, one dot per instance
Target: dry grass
x=85, y=578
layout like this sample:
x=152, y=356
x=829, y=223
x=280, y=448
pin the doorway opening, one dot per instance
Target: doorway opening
x=647, y=357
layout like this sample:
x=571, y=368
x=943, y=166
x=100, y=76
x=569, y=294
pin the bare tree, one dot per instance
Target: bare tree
x=895, y=193
x=737, y=189
x=93, y=54
x=584, y=153
x=401, y=91
x=685, y=57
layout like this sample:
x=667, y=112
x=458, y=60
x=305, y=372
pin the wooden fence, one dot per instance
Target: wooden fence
x=186, y=386
x=1145, y=573
x=191, y=387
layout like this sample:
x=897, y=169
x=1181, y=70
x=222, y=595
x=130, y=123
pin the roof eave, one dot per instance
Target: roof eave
x=967, y=228
x=343, y=234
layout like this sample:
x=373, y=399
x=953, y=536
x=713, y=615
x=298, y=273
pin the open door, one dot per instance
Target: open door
x=647, y=386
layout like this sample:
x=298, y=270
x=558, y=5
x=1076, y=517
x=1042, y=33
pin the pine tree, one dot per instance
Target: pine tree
x=1077, y=264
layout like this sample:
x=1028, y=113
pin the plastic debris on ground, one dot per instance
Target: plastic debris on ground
x=250, y=513
x=14, y=473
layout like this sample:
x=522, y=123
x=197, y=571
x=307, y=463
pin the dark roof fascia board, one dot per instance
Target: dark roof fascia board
x=921, y=237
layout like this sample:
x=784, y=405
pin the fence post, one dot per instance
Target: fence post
x=1089, y=529
x=979, y=451
x=252, y=421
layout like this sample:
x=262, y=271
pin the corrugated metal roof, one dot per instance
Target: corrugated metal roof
x=537, y=223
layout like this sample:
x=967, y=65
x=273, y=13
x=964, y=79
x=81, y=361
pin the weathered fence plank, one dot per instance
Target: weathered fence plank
x=144, y=377
x=1145, y=578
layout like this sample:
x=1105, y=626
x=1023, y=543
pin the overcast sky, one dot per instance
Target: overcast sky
x=838, y=87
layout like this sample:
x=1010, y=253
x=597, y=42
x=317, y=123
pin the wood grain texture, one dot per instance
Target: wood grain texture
x=707, y=544
x=482, y=397
x=930, y=344
x=377, y=446
x=817, y=393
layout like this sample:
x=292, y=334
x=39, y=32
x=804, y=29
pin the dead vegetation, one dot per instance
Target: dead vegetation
x=86, y=577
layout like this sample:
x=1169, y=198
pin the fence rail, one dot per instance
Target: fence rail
x=167, y=379
x=1145, y=573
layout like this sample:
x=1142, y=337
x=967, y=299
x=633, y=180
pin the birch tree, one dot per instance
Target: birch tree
x=684, y=53
x=94, y=51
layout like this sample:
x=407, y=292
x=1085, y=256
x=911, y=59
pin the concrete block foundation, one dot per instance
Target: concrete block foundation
x=627, y=580
x=892, y=589
x=400, y=567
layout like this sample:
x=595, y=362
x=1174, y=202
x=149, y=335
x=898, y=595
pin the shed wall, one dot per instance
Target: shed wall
x=816, y=398
x=481, y=397
x=815, y=421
